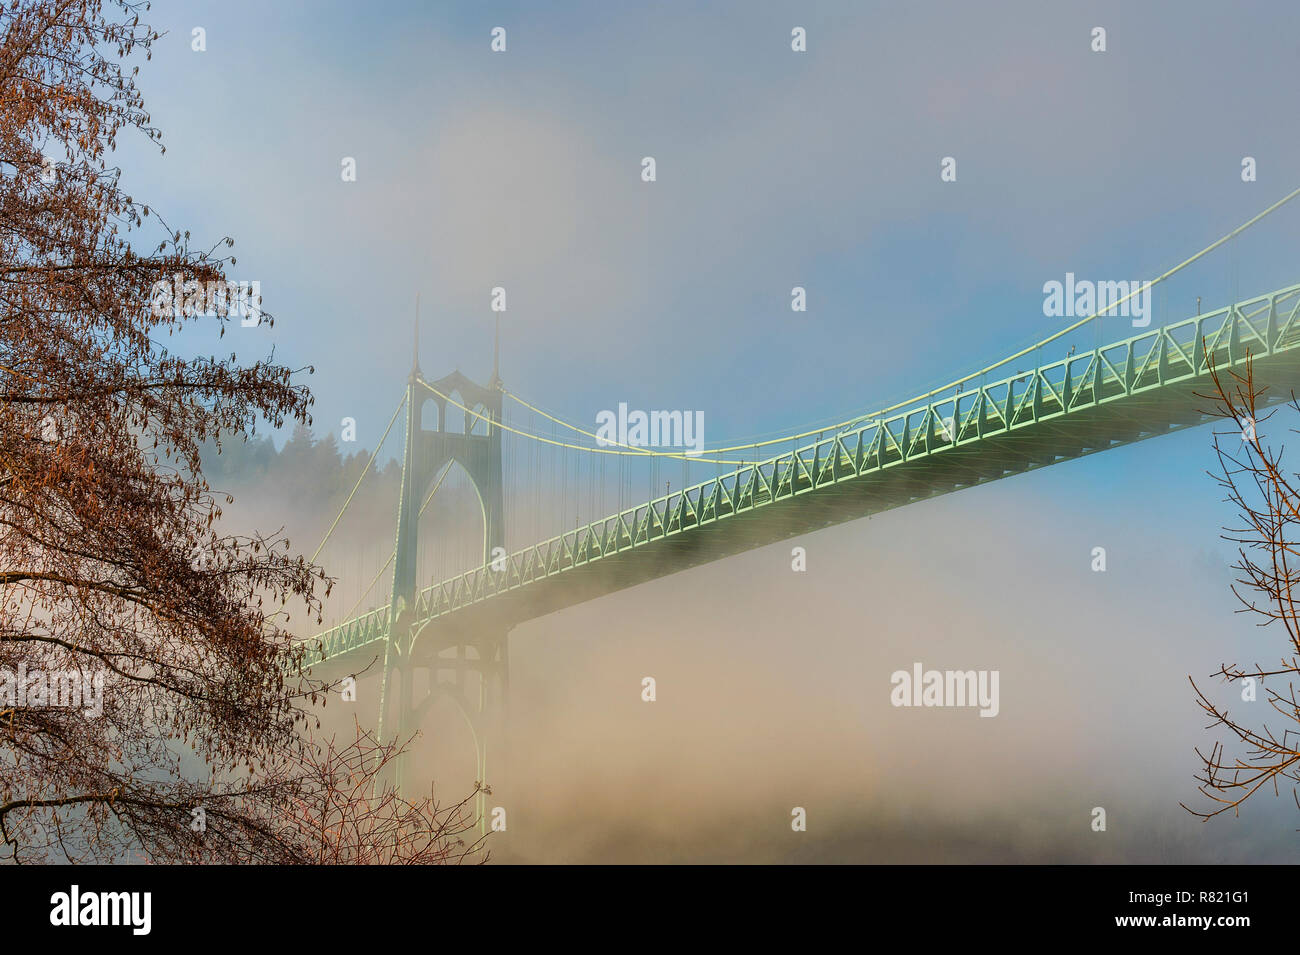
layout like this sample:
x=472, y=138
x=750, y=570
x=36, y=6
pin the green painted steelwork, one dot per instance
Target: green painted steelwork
x=476, y=447
x=1141, y=387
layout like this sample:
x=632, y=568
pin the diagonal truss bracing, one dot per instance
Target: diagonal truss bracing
x=1119, y=393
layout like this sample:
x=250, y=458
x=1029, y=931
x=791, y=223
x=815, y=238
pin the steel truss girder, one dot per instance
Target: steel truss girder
x=1116, y=394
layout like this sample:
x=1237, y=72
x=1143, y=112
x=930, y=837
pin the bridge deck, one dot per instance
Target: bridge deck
x=1138, y=388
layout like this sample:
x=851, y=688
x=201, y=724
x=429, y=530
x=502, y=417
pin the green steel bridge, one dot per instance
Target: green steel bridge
x=1141, y=387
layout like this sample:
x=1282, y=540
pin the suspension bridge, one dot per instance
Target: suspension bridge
x=988, y=425
x=1130, y=390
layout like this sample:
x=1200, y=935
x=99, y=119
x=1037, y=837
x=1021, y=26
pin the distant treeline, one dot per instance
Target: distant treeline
x=314, y=466
x=305, y=482
x=302, y=486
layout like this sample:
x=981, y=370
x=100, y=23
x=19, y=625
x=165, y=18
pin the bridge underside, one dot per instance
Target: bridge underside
x=1096, y=429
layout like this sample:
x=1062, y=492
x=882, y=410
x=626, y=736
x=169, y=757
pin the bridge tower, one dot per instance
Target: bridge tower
x=477, y=662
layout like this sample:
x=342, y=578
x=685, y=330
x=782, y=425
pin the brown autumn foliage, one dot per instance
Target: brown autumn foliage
x=113, y=563
x=1263, y=749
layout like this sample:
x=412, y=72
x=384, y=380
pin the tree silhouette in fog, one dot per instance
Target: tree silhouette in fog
x=1261, y=718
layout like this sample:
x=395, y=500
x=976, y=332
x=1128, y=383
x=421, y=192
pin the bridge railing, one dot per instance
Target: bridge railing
x=1150, y=360
x=368, y=628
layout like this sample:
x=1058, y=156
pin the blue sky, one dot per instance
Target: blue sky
x=775, y=169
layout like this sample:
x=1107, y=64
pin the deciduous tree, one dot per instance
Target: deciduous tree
x=113, y=560
x=1261, y=721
